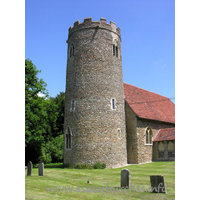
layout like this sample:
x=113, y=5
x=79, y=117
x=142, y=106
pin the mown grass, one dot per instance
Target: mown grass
x=36, y=186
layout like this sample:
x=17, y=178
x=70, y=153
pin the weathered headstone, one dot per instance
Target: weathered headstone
x=125, y=178
x=29, y=170
x=41, y=169
x=158, y=184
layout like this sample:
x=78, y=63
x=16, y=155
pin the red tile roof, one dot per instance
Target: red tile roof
x=149, y=105
x=165, y=134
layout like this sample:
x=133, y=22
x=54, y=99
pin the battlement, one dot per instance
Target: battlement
x=88, y=23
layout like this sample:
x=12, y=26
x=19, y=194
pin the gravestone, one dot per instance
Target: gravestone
x=158, y=184
x=41, y=169
x=125, y=178
x=29, y=169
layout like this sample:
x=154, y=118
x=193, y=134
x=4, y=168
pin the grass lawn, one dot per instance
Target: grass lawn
x=101, y=179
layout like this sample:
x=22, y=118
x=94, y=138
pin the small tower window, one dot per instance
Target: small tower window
x=119, y=133
x=116, y=51
x=69, y=139
x=148, y=135
x=113, y=104
x=72, y=105
x=71, y=50
x=113, y=50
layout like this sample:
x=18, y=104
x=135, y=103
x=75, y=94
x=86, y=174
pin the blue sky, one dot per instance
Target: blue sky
x=147, y=31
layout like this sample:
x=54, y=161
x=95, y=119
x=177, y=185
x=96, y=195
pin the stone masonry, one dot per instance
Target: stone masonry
x=106, y=120
x=94, y=107
x=137, y=150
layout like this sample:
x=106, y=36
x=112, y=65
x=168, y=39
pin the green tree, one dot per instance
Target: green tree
x=52, y=151
x=35, y=113
x=57, y=154
x=44, y=118
x=60, y=102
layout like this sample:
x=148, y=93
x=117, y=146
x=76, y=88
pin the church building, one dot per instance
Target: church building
x=150, y=126
x=107, y=120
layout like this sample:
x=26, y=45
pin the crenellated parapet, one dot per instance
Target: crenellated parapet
x=88, y=23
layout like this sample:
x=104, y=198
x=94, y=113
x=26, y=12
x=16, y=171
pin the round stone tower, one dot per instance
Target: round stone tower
x=94, y=125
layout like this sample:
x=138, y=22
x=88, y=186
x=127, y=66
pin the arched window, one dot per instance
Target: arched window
x=68, y=139
x=171, y=149
x=148, y=135
x=171, y=146
x=161, y=149
x=161, y=146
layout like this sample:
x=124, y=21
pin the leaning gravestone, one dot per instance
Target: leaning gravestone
x=29, y=170
x=158, y=184
x=125, y=178
x=41, y=169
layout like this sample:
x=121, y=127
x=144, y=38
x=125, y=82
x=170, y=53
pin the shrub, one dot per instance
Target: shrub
x=54, y=165
x=99, y=165
x=82, y=166
x=103, y=165
x=70, y=166
x=50, y=165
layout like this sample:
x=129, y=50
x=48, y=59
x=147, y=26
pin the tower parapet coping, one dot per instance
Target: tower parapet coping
x=88, y=23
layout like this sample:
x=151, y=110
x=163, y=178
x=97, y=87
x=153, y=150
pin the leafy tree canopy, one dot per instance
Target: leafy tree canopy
x=44, y=118
x=35, y=111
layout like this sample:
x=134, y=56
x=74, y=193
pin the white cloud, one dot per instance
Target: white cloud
x=40, y=94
